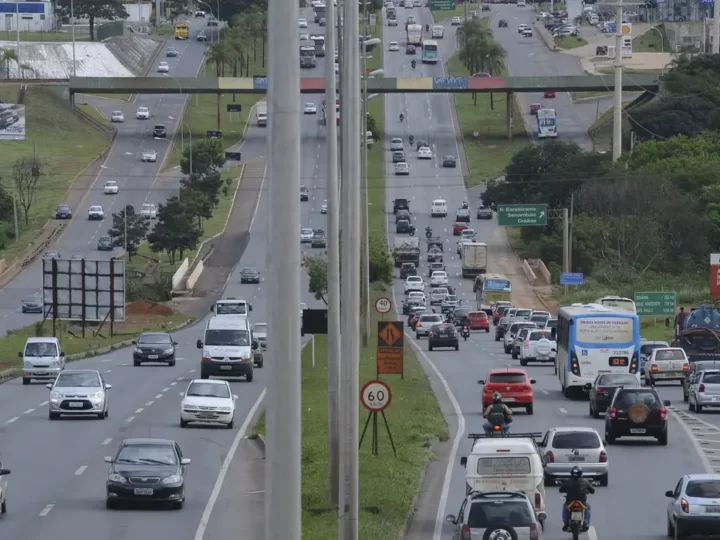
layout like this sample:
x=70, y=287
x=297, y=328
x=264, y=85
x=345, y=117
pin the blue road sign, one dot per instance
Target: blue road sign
x=571, y=278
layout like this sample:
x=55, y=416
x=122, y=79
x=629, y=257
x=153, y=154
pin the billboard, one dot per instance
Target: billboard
x=79, y=289
x=12, y=122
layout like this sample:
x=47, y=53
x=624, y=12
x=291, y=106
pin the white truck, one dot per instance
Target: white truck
x=438, y=31
x=474, y=259
x=261, y=113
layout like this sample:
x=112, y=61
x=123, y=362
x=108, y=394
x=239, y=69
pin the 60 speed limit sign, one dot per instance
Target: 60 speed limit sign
x=375, y=396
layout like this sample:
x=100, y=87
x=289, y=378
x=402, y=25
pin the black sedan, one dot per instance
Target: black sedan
x=485, y=7
x=484, y=212
x=171, y=52
x=318, y=240
x=603, y=389
x=304, y=194
x=249, y=274
x=449, y=162
x=423, y=143
x=154, y=347
x=32, y=304
x=160, y=131
x=105, y=243
x=462, y=215
x=443, y=335
x=63, y=212
x=410, y=49
x=147, y=470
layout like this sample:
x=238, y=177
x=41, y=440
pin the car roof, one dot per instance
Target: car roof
x=702, y=476
x=138, y=442
x=512, y=371
x=71, y=371
x=573, y=429
x=211, y=381
x=41, y=340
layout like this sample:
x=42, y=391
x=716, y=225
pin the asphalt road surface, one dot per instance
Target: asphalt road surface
x=640, y=472
x=57, y=486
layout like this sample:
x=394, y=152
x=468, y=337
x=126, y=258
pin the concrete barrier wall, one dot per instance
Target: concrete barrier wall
x=3, y=265
x=545, y=35
x=529, y=274
x=542, y=272
x=180, y=274
x=195, y=275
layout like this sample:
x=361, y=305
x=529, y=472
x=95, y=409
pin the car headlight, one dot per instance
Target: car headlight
x=246, y=355
x=174, y=479
x=189, y=407
x=137, y=351
x=117, y=478
x=27, y=365
x=55, y=395
x=99, y=395
x=55, y=363
x=168, y=351
x=225, y=409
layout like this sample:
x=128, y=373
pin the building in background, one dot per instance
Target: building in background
x=31, y=16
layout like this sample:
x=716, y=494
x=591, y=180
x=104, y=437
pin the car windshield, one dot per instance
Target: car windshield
x=105, y=239
x=477, y=315
x=155, y=339
x=576, y=440
x=228, y=338
x=711, y=378
x=96, y=208
x=147, y=454
x=516, y=327
x=670, y=355
x=41, y=349
x=230, y=308
x=628, y=399
x=523, y=312
x=539, y=318
x=260, y=328
x=451, y=298
x=703, y=489
x=537, y=336
x=306, y=231
x=507, y=378
x=63, y=208
x=117, y=113
x=147, y=206
x=484, y=514
x=414, y=279
x=551, y=323
x=431, y=318
x=208, y=389
x=649, y=348
x=249, y=271
x=78, y=380
x=617, y=380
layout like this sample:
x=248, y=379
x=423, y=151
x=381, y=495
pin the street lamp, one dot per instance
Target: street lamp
x=182, y=123
x=217, y=16
x=662, y=46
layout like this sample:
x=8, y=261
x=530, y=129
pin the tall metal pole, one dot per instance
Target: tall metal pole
x=340, y=72
x=17, y=33
x=364, y=231
x=566, y=243
x=350, y=322
x=617, y=113
x=72, y=23
x=716, y=28
x=334, y=350
x=157, y=14
x=283, y=409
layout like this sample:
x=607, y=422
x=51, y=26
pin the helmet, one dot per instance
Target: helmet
x=497, y=398
x=576, y=472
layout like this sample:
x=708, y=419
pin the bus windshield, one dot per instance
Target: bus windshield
x=182, y=31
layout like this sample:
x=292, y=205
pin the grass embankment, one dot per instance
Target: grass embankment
x=162, y=30
x=388, y=484
x=115, y=97
x=589, y=95
x=65, y=142
x=569, y=42
x=42, y=36
x=654, y=40
x=133, y=326
x=93, y=112
x=489, y=153
x=609, y=70
x=459, y=11
x=201, y=113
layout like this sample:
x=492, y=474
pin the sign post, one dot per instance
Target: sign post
x=375, y=397
x=656, y=304
x=390, y=348
x=522, y=215
x=715, y=276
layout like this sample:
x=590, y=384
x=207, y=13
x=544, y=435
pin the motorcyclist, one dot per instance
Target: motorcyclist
x=411, y=139
x=427, y=27
x=465, y=329
x=576, y=489
x=428, y=232
x=497, y=407
x=413, y=64
x=402, y=117
x=465, y=205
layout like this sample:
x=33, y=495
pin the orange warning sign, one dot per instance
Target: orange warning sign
x=390, y=348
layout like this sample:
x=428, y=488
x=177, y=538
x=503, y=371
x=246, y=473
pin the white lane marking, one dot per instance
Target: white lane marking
x=192, y=371
x=696, y=444
x=13, y=419
x=125, y=365
x=28, y=411
x=563, y=410
x=130, y=419
x=108, y=371
x=180, y=378
x=254, y=492
x=106, y=360
x=80, y=470
x=158, y=396
x=43, y=404
x=546, y=392
x=165, y=389
x=147, y=404
x=173, y=383
x=46, y=510
x=182, y=393
x=138, y=411
x=107, y=441
x=200, y=533
x=592, y=534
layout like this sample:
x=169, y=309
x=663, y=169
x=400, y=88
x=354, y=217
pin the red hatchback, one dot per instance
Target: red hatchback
x=459, y=227
x=513, y=385
x=479, y=320
x=549, y=94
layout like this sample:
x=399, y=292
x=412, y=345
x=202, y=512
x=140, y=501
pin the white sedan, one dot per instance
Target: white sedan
x=414, y=283
x=402, y=169
x=302, y=23
x=111, y=187
x=96, y=212
x=306, y=236
x=148, y=211
x=149, y=156
x=143, y=113
x=310, y=108
x=163, y=67
x=3, y=489
x=456, y=21
x=208, y=401
x=394, y=46
x=420, y=295
x=304, y=36
x=438, y=278
x=117, y=116
x=425, y=153
x=324, y=207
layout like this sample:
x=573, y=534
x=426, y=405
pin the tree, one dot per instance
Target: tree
x=128, y=235
x=26, y=174
x=6, y=205
x=196, y=203
x=8, y=57
x=316, y=268
x=697, y=75
x=175, y=232
x=208, y=184
x=207, y=154
x=671, y=116
x=95, y=9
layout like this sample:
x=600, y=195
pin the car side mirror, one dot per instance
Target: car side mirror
x=532, y=381
x=463, y=461
x=670, y=493
x=234, y=398
x=250, y=307
x=174, y=342
x=107, y=459
x=199, y=344
x=20, y=355
x=666, y=402
x=588, y=386
x=49, y=386
x=108, y=386
x=450, y=518
x=4, y=472
x=134, y=342
x=185, y=461
x=481, y=381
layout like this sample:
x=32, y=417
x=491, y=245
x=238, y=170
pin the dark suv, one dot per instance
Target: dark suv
x=159, y=131
x=501, y=327
x=407, y=269
x=402, y=214
x=603, y=389
x=636, y=412
x=400, y=204
x=443, y=335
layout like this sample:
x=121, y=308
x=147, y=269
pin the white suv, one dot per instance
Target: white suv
x=512, y=331
x=438, y=278
x=414, y=283
x=539, y=346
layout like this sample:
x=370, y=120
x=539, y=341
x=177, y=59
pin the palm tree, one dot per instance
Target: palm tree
x=8, y=56
x=238, y=50
x=472, y=28
x=221, y=55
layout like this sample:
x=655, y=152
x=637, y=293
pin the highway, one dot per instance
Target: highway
x=640, y=472
x=57, y=486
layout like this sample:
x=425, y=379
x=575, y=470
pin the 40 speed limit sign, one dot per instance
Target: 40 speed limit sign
x=375, y=396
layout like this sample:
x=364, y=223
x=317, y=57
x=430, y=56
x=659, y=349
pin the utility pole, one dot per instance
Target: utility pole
x=364, y=231
x=566, y=243
x=350, y=322
x=72, y=22
x=334, y=350
x=157, y=14
x=17, y=34
x=617, y=112
x=283, y=408
x=716, y=29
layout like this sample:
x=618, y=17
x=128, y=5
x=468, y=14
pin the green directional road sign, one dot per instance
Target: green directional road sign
x=442, y=5
x=655, y=304
x=522, y=215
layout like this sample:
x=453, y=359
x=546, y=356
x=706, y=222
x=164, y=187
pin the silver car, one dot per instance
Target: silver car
x=704, y=390
x=437, y=295
x=149, y=156
x=79, y=392
x=523, y=313
x=259, y=332
x=148, y=211
x=518, y=342
x=512, y=331
x=666, y=364
x=694, y=508
x=426, y=322
x=117, y=116
x=566, y=447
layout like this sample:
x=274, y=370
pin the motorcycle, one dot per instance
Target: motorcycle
x=411, y=139
x=576, y=511
x=411, y=230
x=427, y=27
x=499, y=426
x=402, y=117
x=413, y=66
x=465, y=205
x=466, y=332
x=428, y=232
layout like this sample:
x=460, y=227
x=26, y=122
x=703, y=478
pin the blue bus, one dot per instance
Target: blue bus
x=593, y=339
x=430, y=51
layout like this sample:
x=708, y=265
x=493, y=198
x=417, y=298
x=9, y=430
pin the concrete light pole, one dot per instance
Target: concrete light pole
x=283, y=409
x=364, y=231
x=617, y=112
x=716, y=28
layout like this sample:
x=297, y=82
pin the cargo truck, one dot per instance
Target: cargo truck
x=261, y=113
x=407, y=249
x=474, y=259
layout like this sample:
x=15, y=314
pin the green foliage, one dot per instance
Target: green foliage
x=133, y=233
x=697, y=75
x=94, y=9
x=381, y=265
x=176, y=230
x=207, y=154
x=690, y=116
x=478, y=51
x=316, y=267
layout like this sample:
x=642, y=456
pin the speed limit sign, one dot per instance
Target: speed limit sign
x=375, y=396
x=383, y=305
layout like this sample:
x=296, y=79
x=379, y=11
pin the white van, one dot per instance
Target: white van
x=42, y=358
x=231, y=306
x=439, y=208
x=227, y=348
x=521, y=3
x=438, y=31
x=507, y=463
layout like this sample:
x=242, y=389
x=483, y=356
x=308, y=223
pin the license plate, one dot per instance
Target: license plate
x=576, y=458
x=205, y=414
x=576, y=516
x=541, y=357
x=638, y=430
x=153, y=356
x=143, y=491
x=226, y=368
x=712, y=509
x=508, y=399
x=76, y=404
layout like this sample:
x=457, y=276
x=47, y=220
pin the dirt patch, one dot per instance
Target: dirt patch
x=145, y=307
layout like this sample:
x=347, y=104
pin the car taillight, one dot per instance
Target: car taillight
x=686, y=367
x=534, y=534
x=538, y=500
x=613, y=413
x=550, y=456
x=634, y=363
x=601, y=390
x=663, y=413
x=465, y=534
x=684, y=506
x=701, y=388
x=653, y=367
x=575, y=366
x=430, y=334
x=419, y=324
x=496, y=428
x=527, y=344
x=603, y=457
